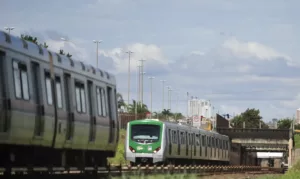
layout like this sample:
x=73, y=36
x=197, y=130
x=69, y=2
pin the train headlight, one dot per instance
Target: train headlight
x=132, y=149
x=156, y=150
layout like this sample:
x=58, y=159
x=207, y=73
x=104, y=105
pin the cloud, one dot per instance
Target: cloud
x=152, y=54
x=253, y=49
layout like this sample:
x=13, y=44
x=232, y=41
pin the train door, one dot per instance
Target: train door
x=170, y=141
x=68, y=97
x=36, y=86
x=179, y=141
x=194, y=143
x=200, y=145
x=92, y=134
x=4, y=102
x=186, y=144
x=111, y=103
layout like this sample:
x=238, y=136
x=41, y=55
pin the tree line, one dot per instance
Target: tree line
x=251, y=119
x=35, y=40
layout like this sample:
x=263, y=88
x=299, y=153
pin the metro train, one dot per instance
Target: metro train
x=54, y=110
x=151, y=141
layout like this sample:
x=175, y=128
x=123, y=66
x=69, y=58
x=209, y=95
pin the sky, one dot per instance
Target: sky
x=237, y=54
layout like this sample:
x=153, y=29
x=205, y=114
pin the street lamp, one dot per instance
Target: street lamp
x=129, y=53
x=142, y=85
x=151, y=78
x=9, y=29
x=97, y=42
x=163, y=93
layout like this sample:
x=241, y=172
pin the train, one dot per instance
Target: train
x=54, y=110
x=151, y=141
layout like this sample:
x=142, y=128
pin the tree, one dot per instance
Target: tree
x=284, y=123
x=120, y=100
x=141, y=108
x=63, y=53
x=251, y=117
x=33, y=40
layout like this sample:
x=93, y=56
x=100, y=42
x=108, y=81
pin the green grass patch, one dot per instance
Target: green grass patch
x=293, y=173
x=297, y=140
x=119, y=158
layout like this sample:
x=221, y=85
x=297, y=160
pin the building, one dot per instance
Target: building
x=298, y=116
x=198, y=108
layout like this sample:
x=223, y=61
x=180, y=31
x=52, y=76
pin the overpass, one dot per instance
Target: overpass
x=249, y=140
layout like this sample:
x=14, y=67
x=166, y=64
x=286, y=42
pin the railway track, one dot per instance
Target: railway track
x=139, y=170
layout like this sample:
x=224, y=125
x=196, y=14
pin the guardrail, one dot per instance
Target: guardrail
x=130, y=170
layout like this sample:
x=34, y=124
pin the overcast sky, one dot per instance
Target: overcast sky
x=238, y=54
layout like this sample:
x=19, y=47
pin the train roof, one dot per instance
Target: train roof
x=14, y=43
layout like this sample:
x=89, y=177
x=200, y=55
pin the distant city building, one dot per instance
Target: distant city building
x=298, y=116
x=198, y=108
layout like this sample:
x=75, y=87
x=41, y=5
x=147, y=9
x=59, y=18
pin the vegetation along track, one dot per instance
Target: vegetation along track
x=139, y=170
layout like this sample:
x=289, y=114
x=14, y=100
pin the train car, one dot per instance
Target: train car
x=151, y=141
x=54, y=110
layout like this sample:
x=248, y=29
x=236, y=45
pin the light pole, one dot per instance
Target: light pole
x=142, y=85
x=9, y=29
x=176, y=110
x=163, y=93
x=129, y=52
x=97, y=42
x=142, y=78
x=151, y=78
x=139, y=83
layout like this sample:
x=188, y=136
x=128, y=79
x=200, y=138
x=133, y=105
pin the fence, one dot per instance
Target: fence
x=124, y=118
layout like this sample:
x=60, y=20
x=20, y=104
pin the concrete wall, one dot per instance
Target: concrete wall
x=238, y=157
x=295, y=156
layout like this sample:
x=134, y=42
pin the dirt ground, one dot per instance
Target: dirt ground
x=235, y=176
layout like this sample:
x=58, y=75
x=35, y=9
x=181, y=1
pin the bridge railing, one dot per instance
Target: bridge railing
x=255, y=133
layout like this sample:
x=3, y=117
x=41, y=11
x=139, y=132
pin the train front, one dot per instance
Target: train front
x=144, y=142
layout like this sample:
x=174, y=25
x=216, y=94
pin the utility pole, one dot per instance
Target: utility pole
x=163, y=93
x=170, y=99
x=139, y=83
x=142, y=80
x=129, y=52
x=151, y=78
x=137, y=89
x=9, y=29
x=142, y=86
x=187, y=107
x=168, y=88
x=176, y=110
x=97, y=42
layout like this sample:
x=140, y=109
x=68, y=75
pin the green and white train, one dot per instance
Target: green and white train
x=151, y=141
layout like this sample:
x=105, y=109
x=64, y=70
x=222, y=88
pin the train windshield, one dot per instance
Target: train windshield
x=145, y=133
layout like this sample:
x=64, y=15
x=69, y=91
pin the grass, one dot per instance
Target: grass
x=119, y=158
x=293, y=173
x=297, y=141
x=160, y=176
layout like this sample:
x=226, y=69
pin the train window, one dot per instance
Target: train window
x=197, y=140
x=49, y=90
x=21, y=80
x=103, y=102
x=182, y=141
x=58, y=92
x=99, y=101
x=7, y=37
x=203, y=140
x=217, y=143
x=80, y=97
x=213, y=142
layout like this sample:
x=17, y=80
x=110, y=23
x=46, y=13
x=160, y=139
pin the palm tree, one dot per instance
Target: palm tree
x=120, y=100
x=141, y=109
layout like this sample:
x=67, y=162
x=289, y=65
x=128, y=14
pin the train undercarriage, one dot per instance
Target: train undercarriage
x=32, y=156
x=149, y=161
